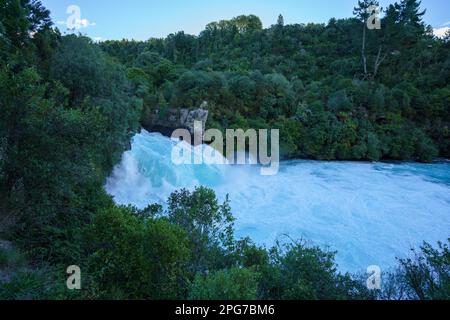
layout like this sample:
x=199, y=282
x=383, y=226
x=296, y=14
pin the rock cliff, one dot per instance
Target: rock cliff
x=166, y=121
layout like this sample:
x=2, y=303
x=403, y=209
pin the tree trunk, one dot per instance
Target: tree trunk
x=378, y=61
x=363, y=50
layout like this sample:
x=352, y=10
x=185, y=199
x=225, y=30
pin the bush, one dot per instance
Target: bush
x=45, y=283
x=133, y=258
x=24, y=286
x=427, y=273
x=208, y=224
x=229, y=284
x=298, y=271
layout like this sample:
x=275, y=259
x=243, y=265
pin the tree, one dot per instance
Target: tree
x=411, y=14
x=280, y=21
x=131, y=258
x=69, y=107
x=301, y=272
x=208, y=224
x=244, y=24
x=41, y=136
x=94, y=82
x=20, y=19
x=424, y=276
x=362, y=13
x=229, y=284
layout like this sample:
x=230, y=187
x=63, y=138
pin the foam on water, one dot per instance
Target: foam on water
x=369, y=212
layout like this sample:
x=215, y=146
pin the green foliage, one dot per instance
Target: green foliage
x=20, y=281
x=132, y=258
x=19, y=19
x=395, y=102
x=41, y=137
x=423, y=276
x=95, y=83
x=66, y=115
x=209, y=226
x=427, y=274
x=69, y=107
x=3, y=258
x=298, y=271
x=25, y=286
x=10, y=259
x=230, y=284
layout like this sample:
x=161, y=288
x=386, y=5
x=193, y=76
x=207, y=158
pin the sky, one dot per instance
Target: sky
x=144, y=19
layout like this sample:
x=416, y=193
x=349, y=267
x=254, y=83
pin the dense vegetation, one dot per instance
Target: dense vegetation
x=69, y=107
x=331, y=96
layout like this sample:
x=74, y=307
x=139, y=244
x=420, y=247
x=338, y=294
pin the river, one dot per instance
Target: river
x=370, y=213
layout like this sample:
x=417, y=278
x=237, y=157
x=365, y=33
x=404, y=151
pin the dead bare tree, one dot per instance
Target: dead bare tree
x=363, y=13
x=379, y=60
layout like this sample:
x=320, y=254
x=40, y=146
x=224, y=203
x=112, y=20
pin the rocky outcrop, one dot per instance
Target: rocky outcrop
x=200, y=114
x=166, y=121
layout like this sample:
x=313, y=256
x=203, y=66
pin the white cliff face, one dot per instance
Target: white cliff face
x=370, y=213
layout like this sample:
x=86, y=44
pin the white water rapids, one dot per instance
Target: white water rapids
x=369, y=213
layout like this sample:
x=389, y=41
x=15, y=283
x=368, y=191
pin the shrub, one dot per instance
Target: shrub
x=133, y=258
x=298, y=271
x=208, y=224
x=229, y=284
x=427, y=273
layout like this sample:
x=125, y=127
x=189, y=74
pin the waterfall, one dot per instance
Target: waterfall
x=369, y=212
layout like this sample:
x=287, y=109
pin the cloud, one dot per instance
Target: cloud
x=76, y=23
x=84, y=23
x=446, y=24
x=441, y=32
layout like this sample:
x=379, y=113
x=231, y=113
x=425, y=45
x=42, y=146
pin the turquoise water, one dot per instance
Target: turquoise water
x=369, y=212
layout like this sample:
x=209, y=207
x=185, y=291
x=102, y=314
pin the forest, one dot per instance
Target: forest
x=69, y=107
x=332, y=98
